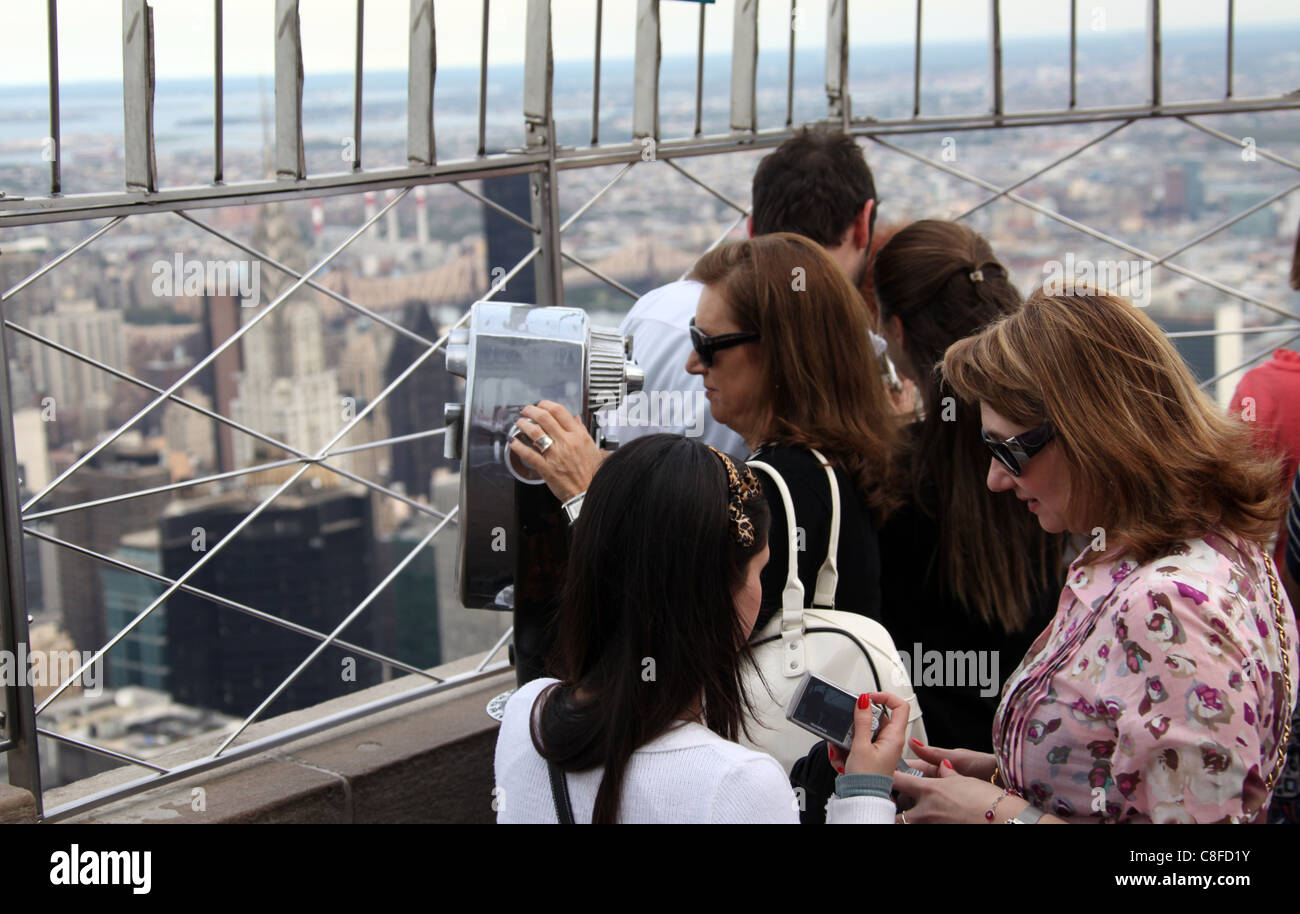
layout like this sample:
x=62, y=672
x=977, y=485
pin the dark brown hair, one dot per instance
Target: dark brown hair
x=814, y=184
x=820, y=372
x=651, y=575
x=1152, y=459
x=995, y=556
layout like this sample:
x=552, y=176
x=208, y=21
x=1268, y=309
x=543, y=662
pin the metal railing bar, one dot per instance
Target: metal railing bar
x=218, y=97
x=690, y=177
x=1236, y=141
x=721, y=238
x=356, y=85
x=599, y=275
x=1229, y=53
x=1251, y=361
x=229, y=341
x=102, y=230
x=595, y=77
x=319, y=649
x=52, y=50
x=1154, y=52
x=223, y=601
x=120, y=756
x=102, y=205
x=216, y=549
x=482, y=84
x=1074, y=58
x=916, y=65
x=301, y=456
x=1046, y=168
x=600, y=193
x=494, y=205
x=995, y=54
x=1188, y=334
x=311, y=283
x=789, y=72
x=496, y=647
x=386, y=441
x=257, y=746
x=1214, y=230
x=1088, y=230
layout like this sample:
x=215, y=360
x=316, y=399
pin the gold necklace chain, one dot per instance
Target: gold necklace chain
x=1284, y=644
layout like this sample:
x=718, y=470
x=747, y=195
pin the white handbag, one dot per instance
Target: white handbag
x=849, y=650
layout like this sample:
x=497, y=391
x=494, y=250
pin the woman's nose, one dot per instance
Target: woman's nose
x=694, y=364
x=999, y=478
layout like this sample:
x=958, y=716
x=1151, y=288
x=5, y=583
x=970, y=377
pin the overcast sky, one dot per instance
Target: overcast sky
x=90, y=30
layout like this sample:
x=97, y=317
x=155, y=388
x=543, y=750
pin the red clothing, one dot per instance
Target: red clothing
x=1269, y=398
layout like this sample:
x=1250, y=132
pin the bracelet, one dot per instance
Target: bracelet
x=1027, y=816
x=989, y=813
x=993, y=778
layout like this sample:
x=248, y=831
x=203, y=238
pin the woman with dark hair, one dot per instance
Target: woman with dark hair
x=661, y=594
x=964, y=572
x=1163, y=689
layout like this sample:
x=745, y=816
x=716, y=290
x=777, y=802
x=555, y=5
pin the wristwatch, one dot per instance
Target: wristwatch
x=573, y=507
x=1027, y=816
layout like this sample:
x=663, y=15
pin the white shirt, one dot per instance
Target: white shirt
x=672, y=400
x=687, y=775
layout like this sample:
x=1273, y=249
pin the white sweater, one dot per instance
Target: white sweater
x=688, y=775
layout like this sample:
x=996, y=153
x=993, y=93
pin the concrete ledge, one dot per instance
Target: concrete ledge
x=426, y=761
x=17, y=806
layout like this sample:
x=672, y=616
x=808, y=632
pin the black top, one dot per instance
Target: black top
x=858, y=561
x=932, y=631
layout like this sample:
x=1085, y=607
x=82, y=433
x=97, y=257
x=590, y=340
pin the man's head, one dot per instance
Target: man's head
x=817, y=184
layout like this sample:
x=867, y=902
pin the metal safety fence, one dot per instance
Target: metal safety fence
x=543, y=160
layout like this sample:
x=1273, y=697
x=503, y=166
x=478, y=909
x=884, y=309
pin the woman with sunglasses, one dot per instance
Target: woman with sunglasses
x=652, y=645
x=782, y=342
x=1162, y=691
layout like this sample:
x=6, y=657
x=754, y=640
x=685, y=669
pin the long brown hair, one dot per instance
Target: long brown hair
x=820, y=372
x=943, y=282
x=1152, y=459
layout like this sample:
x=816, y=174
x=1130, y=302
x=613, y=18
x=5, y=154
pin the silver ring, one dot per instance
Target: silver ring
x=903, y=816
x=542, y=442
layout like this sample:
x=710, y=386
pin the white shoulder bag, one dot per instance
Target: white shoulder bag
x=849, y=650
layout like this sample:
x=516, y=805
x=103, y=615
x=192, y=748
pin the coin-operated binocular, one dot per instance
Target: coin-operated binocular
x=514, y=538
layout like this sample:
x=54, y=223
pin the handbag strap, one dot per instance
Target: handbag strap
x=792, y=596
x=1283, y=643
x=560, y=794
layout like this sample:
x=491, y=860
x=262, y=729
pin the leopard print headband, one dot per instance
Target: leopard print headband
x=740, y=489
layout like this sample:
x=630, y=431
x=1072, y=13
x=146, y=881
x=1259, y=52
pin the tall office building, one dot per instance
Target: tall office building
x=416, y=405
x=308, y=558
x=285, y=389
x=125, y=466
x=76, y=385
x=141, y=658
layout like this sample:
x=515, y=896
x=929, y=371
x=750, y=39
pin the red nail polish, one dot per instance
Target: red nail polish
x=947, y=764
x=863, y=701
x=839, y=768
x=917, y=743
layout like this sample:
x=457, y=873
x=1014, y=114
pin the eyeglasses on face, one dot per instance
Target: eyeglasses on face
x=1013, y=453
x=706, y=346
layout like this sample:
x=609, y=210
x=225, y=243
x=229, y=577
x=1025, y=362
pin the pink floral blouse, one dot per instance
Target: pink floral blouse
x=1156, y=693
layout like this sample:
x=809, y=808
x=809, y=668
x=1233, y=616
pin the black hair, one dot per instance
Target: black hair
x=647, y=625
x=814, y=184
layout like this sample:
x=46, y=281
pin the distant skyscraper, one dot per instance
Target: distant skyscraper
x=408, y=628
x=75, y=384
x=221, y=318
x=285, y=389
x=118, y=469
x=416, y=405
x=308, y=558
x=141, y=658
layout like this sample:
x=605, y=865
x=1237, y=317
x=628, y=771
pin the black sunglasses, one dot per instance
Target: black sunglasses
x=1014, y=452
x=706, y=346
